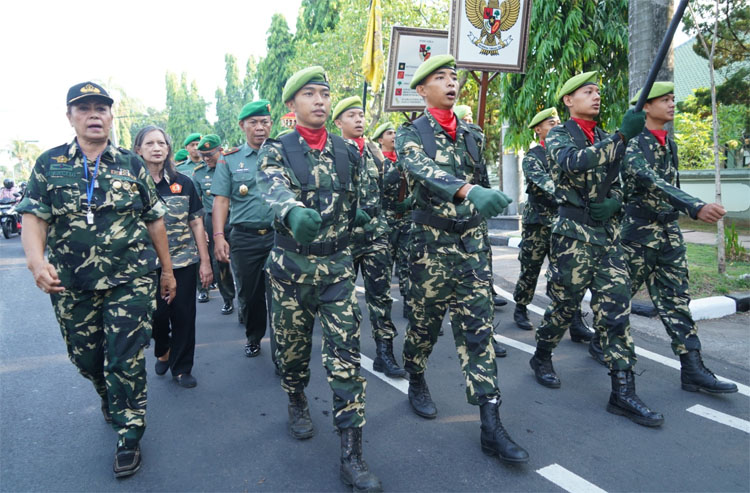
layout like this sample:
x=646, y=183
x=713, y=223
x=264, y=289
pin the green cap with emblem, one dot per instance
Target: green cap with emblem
x=208, y=142
x=181, y=155
x=381, y=129
x=310, y=75
x=191, y=138
x=429, y=66
x=543, y=115
x=261, y=107
x=461, y=111
x=284, y=131
x=346, y=104
x=87, y=90
x=660, y=88
x=577, y=81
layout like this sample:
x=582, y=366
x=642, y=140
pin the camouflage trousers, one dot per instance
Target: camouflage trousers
x=105, y=332
x=373, y=258
x=665, y=272
x=535, y=240
x=398, y=240
x=293, y=313
x=460, y=283
x=574, y=266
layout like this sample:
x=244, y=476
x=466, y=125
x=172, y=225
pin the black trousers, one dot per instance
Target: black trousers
x=222, y=271
x=174, y=323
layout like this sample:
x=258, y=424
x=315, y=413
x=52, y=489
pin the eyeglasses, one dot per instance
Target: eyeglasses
x=209, y=153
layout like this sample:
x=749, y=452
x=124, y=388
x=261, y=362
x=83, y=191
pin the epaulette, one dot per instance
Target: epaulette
x=230, y=151
x=200, y=166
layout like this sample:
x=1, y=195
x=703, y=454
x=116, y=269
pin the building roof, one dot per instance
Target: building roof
x=691, y=71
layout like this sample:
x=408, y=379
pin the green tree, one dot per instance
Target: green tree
x=317, y=16
x=24, y=155
x=186, y=109
x=275, y=67
x=229, y=102
x=732, y=29
x=250, y=81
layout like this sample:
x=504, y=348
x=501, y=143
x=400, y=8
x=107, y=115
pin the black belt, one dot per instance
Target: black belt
x=459, y=226
x=659, y=217
x=372, y=211
x=543, y=200
x=578, y=214
x=245, y=229
x=319, y=249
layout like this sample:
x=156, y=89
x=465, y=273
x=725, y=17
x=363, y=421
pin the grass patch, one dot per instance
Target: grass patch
x=687, y=224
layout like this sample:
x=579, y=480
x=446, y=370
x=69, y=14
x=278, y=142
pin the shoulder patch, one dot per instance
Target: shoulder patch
x=200, y=166
x=230, y=151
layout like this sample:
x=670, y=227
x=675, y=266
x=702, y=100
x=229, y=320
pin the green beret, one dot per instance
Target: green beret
x=577, y=81
x=261, y=107
x=381, y=130
x=429, y=66
x=543, y=115
x=181, y=155
x=310, y=75
x=346, y=104
x=208, y=142
x=660, y=88
x=190, y=138
x=284, y=131
x=461, y=111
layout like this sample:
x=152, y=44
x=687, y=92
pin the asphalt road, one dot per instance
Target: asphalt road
x=229, y=433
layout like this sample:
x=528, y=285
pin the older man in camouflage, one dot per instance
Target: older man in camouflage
x=310, y=179
x=585, y=250
x=652, y=240
x=448, y=251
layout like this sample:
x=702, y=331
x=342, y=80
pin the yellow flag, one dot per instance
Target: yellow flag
x=373, y=61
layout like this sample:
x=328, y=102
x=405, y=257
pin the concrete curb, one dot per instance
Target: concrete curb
x=701, y=308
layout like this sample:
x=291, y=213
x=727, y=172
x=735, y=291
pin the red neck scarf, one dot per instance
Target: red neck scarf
x=661, y=136
x=391, y=155
x=588, y=128
x=541, y=143
x=361, y=144
x=315, y=137
x=446, y=119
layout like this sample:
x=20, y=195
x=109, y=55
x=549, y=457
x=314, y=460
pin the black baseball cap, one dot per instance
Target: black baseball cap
x=88, y=90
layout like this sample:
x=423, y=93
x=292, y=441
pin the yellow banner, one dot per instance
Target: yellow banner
x=373, y=61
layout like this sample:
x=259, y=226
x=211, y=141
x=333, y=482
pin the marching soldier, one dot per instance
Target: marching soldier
x=538, y=217
x=203, y=175
x=448, y=251
x=251, y=221
x=370, y=248
x=585, y=249
x=310, y=179
x=193, y=158
x=652, y=239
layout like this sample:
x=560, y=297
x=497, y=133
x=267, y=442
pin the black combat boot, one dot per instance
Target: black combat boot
x=385, y=362
x=579, y=331
x=498, y=300
x=624, y=401
x=521, y=317
x=354, y=470
x=300, y=423
x=595, y=349
x=695, y=376
x=495, y=439
x=500, y=351
x=420, y=398
x=544, y=371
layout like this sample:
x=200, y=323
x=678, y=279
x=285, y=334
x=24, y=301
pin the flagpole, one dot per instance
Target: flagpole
x=364, y=99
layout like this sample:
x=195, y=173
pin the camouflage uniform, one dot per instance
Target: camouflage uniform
x=188, y=166
x=651, y=237
x=106, y=269
x=586, y=254
x=371, y=251
x=448, y=269
x=306, y=285
x=398, y=224
x=538, y=216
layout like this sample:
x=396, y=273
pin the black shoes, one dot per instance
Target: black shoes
x=354, y=471
x=105, y=411
x=419, y=397
x=127, y=461
x=495, y=439
x=384, y=361
x=202, y=296
x=499, y=300
x=161, y=367
x=228, y=308
x=695, y=376
x=500, y=352
x=186, y=380
x=579, y=331
x=521, y=317
x=300, y=423
x=596, y=351
x=624, y=401
x=544, y=371
x=252, y=349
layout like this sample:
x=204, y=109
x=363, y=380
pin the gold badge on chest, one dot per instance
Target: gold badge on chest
x=243, y=189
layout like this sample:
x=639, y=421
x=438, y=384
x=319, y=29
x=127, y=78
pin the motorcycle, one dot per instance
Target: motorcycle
x=10, y=221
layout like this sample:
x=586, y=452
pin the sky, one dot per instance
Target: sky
x=48, y=46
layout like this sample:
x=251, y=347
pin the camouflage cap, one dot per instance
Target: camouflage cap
x=577, y=81
x=381, y=129
x=462, y=110
x=346, y=104
x=660, y=88
x=310, y=75
x=208, y=142
x=191, y=138
x=181, y=155
x=261, y=107
x=430, y=65
x=543, y=115
x=87, y=90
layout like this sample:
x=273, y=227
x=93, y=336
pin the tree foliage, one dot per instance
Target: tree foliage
x=317, y=16
x=732, y=33
x=229, y=102
x=131, y=115
x=275, y=67
x=186, y=109
x=24, y=155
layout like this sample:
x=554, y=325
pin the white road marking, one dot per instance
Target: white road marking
x=505, y=294
x=399, y=383
x=567, y=480
x=719, y=417
x=514, y=343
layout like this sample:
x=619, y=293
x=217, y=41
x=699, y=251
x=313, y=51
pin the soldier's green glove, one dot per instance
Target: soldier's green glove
x=632, y=123
x=603, y=211
x=404, y=205
x=488, y=202
x=361, y=218
x=304, y=223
